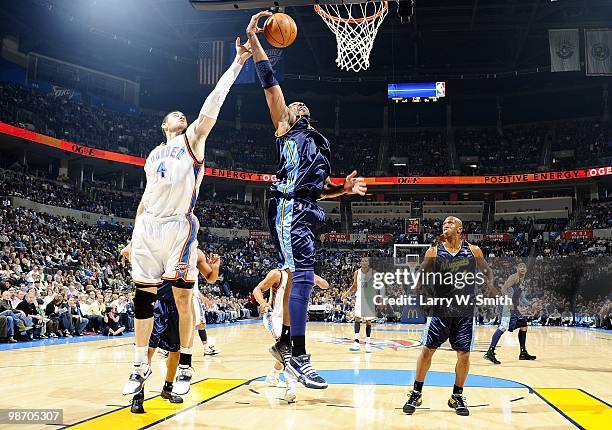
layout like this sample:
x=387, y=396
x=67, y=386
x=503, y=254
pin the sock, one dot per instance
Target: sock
x=522, y=336
x=168, y=386
x=368, y=330
x=498, y=333
x=303, y=281
x=185, y=357
x=418, y=386
x=140, y=355
x=203, y=335
x=285, y=335
x=357, y=330
x=457, y=390
x=299, y=345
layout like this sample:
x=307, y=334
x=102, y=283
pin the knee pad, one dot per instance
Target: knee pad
x=143, y=304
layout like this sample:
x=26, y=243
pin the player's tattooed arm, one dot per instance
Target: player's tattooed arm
x=279, y=112
x=272, y=278
x=352, y=185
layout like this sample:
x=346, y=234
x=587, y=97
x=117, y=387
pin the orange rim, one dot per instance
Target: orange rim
x=326, y=15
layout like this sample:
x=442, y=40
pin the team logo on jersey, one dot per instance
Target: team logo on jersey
x=379, y=344
x=181, y=269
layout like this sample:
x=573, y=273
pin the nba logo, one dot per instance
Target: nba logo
x=440, y=89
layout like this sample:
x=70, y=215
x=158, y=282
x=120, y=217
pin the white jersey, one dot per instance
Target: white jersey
x=173, y=179
x=364, y=300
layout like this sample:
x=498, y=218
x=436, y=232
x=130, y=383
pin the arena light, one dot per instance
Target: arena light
x=399, y=164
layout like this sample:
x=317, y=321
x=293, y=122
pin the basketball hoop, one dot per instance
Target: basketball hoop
x=355, y=27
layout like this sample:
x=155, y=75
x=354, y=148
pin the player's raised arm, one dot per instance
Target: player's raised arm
x=352, y=185
x=201, y=127
x=274, y=95
x=272, y=278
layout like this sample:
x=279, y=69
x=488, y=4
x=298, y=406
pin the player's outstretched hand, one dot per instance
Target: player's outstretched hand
x=354, y=184
x=125, y=254
x=253, y=27
x=264, y=308
x=243, y=52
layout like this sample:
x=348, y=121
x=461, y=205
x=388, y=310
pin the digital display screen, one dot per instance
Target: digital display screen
x=416, y=92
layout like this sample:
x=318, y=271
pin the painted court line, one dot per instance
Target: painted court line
x=583, y=409
x=158, y=409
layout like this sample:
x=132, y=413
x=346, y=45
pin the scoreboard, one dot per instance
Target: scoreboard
x=416, y=92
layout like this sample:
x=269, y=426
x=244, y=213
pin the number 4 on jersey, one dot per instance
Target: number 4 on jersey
x=161, y=169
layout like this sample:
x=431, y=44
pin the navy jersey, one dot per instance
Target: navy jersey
x=303, y=155
x=461, y=262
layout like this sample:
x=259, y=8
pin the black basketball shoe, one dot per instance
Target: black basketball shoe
x=524, y=355
x=282, y=352
x=415, y=400
x=137, y=403
x=490, y=355
x=457, y=402
x=172, y=398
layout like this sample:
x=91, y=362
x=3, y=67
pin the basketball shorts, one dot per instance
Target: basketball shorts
x=273, y=320
x=364, y=306
x=292, y=224
x=165, y=334
x=164, y=249
x=512, y=321
x=458, y=330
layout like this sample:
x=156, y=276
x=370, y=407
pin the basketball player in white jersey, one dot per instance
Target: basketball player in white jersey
x=276, y=320
x=165, y=229
x=363, y=288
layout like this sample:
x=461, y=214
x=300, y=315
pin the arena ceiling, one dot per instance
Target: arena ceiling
x=444, y=38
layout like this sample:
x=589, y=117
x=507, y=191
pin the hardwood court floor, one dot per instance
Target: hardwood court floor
x=569, y=386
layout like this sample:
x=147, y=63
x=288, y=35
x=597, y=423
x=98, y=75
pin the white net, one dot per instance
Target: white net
x=355, y=27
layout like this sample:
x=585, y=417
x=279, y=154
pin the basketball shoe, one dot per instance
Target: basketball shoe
x=182, y=384
x=137, y=403
x=139, y=375
x=414, y=400
x=457, y=402
x=490, y=355
x=301, y=370
x=526, y=356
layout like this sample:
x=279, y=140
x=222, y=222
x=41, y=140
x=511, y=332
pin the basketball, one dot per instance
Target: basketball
x=280, y=30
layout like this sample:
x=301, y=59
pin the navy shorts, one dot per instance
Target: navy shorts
x=165, y=334
x=458, y=330
x=293, y=224
x=512, y=321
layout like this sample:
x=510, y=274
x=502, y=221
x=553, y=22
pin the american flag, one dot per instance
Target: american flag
x=211, y=62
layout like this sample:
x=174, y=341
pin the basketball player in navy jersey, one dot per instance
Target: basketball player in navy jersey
x=166, y=332
x=511, y=317
x=302, y=179
x=451, y=322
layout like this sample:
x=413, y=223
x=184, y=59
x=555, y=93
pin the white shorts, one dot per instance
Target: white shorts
x=273, y=321
x=359, y=312
x=164, y=249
